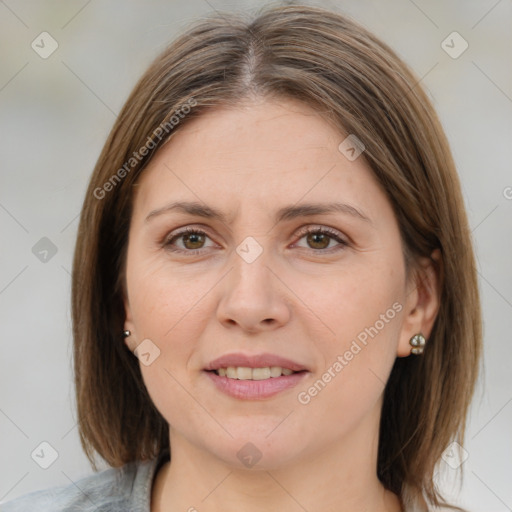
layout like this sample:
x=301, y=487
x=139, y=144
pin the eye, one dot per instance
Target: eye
x=319, y=239
x=193, y=240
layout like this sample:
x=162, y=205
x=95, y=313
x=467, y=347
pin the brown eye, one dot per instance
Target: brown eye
x=318, y=240
x=191, y=240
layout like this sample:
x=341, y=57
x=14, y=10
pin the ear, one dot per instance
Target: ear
x=422, y=301
x=129, y=325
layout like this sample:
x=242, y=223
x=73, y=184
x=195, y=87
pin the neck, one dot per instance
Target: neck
x=340, y=478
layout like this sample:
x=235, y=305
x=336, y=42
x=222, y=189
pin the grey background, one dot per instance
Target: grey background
x=55, y=114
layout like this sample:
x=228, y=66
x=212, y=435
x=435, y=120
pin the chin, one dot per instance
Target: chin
x=258, y=450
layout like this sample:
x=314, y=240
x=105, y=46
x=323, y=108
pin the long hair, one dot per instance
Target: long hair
x=358, y=84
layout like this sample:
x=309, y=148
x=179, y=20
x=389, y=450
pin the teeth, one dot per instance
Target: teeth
x=260, y=373
x=275, y=371
x=245, y=373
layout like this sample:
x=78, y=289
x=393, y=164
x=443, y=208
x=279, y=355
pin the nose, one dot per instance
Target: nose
x=253, y=297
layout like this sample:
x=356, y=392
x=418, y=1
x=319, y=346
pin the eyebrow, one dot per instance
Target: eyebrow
x=283, y=214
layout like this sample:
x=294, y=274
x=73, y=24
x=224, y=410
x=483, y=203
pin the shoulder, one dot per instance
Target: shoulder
x=125, y=489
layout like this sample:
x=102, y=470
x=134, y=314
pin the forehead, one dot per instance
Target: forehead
x=264, y=153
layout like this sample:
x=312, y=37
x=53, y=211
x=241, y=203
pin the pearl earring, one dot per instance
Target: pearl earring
x=417, y=343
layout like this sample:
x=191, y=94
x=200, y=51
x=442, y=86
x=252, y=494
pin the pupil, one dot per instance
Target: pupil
x=319, y=238
x=194, y=238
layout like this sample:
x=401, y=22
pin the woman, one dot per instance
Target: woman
x=275, y=301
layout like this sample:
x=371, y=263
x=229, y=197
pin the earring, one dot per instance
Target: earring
x=126, y=333
x=417, y=343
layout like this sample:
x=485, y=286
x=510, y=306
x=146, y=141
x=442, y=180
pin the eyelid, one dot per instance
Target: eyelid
x=342, y=240
x=176, y=233
x=322, y=228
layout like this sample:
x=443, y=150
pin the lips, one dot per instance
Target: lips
x=254, y=361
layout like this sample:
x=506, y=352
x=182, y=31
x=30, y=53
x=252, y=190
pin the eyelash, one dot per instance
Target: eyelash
x=168, y=242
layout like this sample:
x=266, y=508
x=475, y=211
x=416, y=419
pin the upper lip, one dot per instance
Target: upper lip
x=254, y=361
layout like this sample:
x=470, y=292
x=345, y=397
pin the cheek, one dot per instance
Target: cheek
x=364, y=310
x=346, y=302
x=166, y=301
x=170, y=310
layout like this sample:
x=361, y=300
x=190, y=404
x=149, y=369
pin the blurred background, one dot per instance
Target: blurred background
x=66, y=69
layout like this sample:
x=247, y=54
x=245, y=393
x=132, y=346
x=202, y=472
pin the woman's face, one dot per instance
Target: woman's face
x=272, y=282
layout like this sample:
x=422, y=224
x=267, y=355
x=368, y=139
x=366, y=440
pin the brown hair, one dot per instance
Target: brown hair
x=360, y=85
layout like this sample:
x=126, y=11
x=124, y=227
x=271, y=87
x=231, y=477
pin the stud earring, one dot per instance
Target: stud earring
x=126, y=333
x=417, y=343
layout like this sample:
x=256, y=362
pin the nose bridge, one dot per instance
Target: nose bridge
x=251, y=295
x=251, y=276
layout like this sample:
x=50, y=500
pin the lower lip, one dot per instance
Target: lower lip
x=255, y=389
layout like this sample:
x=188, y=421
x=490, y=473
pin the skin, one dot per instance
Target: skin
x=299, y=299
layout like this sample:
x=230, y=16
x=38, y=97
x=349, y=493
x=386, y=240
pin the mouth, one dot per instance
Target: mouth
x=262, y=363
x=254, y=377
x=247, y=373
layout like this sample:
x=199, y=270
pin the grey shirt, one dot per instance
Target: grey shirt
x=125, y=489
